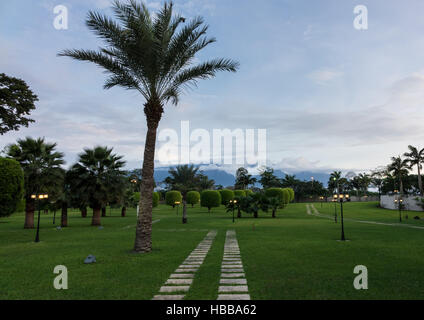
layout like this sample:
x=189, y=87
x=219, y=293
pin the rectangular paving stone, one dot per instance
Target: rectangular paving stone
x=232, y=266
x=183, y=266
x=233, y=297
x=233, y=289
x=231, y=262
x=232, y=281
x=186, y=270
x=182, y=275
x=174, y=289
x=169, y=297
x=232, y=275
x=232, y=270
x=182, y=281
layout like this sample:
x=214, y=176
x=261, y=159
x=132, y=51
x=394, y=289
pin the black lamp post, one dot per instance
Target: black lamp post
x=233, y=204
x=341, y=199
x=335, y=207
x=39, y=197
x=399, y=204
x=177, y=203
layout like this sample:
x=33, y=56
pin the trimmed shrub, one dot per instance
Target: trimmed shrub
x=291, y=192
x=11, y=186
x=248, y=192
x=286, y=196
x=193, y=197
x=210, y=199
x=239, y=193
x=276, y=193
x=226, y=196
x=173, y=196
x=156, y=197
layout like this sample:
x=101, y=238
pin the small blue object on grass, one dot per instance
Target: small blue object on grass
x=101, y=228
x=90, y=259
x=59, y=228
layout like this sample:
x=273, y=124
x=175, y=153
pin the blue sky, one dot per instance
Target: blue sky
x=330, y=96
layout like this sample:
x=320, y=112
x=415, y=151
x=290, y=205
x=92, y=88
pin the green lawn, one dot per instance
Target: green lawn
x=296, y=256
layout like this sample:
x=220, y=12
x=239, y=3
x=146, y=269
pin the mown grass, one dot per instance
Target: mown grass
x=296, y=256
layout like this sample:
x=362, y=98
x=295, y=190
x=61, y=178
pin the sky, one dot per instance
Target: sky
x=331, y=97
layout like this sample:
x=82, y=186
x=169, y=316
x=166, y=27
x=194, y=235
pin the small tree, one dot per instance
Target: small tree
x=210, y=199
x=173, y=196
x=193, y=197
x=286, y=196
x=16, y=102
x=291, y=193
x=11, y=186
x=226, y=196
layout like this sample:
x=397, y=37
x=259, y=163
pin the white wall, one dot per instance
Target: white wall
x=409, y=203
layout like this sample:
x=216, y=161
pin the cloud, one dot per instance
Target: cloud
x=324, y=76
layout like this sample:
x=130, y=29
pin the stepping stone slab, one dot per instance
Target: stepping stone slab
x=232, y=281
x=236, y=270
x=186, y=270
x=183, y=281
x=231, y=262
x=182, y=275
x=232, y=266
x=188, y=266
x=233, y=297
x=233, y=289
x=232, y=275
x=175, y=289
x=170, y=298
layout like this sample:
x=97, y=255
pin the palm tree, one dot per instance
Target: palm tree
x=415, y=157
x=42, y=171
x=399, y=168
x=335, y=180
x=99, y=172
x=155, y=57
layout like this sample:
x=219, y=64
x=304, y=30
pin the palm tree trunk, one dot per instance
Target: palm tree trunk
x=64, y=219
x=84, y=212
x=104, y=212
x=123, y=211
x=96, y=217
x=420, y=182
x=29, y=214
x=273, y=213
x=184, y=212
x=143, y=236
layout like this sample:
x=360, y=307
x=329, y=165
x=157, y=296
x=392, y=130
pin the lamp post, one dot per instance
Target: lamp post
x=335, y=197
x=233, y=203
x=399, y=204
x=177, y=203
x=341, y=199
x=322, y=200
x=39, y=197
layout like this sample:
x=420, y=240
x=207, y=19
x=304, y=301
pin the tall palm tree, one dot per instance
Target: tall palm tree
x=335, y=180
x=154, y=56
x=399, y=168
x=415, y=157
x=99, y=172
x=42, y=170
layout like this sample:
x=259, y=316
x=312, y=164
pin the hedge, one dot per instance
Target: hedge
x=11, y=186
x=291, y=192
x=193, y=197
x=210, y=199
x=226, y=196
x=239, y=193
x=156, y=197
x=173, y=196
x=286, y=195
x=248, y=192
x=276, y=193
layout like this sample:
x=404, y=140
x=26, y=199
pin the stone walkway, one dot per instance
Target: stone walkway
x=180, y=281
x=318, y=214
x=233, y=283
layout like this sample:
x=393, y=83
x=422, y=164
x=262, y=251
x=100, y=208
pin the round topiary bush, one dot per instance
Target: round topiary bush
x=276, y=193
x=226, y=196
x=248, y=192
x=291, y=192
x=173, y=196
x=11, y=186
x=210, y=199
x=156, y=197
x=239, y=193
x=193, y=197
x=286, y=196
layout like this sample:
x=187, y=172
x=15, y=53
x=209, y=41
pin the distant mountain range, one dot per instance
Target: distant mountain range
x=226, y=179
